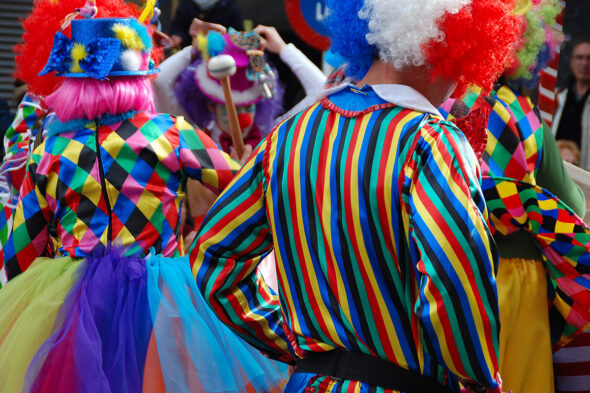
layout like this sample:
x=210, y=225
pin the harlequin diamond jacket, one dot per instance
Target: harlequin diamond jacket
x=120, y=180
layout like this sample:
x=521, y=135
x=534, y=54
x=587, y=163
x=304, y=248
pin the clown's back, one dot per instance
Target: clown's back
x=376, y=215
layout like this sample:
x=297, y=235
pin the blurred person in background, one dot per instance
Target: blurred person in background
x=185, y=88
x=222, y=12
x=572, y=116
x=569, y=151
x=273, y=13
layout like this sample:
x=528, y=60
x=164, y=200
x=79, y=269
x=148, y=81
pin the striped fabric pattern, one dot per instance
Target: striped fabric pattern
x=547, y=91
x=378, y=225
x=548, y=78
x=572, y=366
x=126, y=179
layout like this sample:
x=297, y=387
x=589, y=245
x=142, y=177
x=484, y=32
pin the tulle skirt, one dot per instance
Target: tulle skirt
x=119, y=324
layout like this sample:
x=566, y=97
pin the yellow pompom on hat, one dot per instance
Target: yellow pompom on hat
x=523, y=6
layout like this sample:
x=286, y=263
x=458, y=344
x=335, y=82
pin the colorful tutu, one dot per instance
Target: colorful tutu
x=118, y=324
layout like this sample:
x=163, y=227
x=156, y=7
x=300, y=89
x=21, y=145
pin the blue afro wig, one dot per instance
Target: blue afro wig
x=348, y=36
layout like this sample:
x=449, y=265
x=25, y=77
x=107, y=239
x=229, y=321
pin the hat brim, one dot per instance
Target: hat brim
x=114, y=73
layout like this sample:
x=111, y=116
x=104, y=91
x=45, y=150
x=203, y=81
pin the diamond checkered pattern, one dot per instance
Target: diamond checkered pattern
x=16, y=145
x=515, y=133
x=564, y=238
x=515, y=203
x=120, y=184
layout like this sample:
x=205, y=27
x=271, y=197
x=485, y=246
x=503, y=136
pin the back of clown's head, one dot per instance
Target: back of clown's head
x=469, y=42
x=46, y=17
x=106, y=64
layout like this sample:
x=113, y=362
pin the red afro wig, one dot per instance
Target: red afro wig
x=39, y=28
x=479, y=42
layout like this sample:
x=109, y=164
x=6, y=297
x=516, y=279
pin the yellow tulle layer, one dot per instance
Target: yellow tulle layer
x=29, y=306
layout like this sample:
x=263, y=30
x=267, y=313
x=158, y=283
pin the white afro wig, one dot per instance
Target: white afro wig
x=399, y=29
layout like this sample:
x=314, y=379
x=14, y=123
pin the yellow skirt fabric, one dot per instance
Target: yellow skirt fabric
x=526, y=363
x=29, y=305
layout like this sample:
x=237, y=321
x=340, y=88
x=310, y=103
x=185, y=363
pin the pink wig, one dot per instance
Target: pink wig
x=87, y=98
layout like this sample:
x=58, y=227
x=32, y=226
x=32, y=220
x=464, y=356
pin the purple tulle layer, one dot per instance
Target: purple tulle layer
x=102, y=332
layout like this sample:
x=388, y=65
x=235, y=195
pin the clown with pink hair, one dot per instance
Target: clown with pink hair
x=100, y=297
x=47, y=16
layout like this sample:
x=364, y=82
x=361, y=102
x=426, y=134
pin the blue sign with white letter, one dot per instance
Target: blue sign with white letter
x=314, y=12
x=307, y=18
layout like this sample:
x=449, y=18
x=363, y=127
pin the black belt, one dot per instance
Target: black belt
x=357, y=366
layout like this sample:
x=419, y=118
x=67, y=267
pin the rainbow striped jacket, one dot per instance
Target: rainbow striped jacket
x=379, y=228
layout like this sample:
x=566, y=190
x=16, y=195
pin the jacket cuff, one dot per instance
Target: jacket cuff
x=478, y=387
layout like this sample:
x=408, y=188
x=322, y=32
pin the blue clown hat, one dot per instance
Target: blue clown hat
x=100, y=48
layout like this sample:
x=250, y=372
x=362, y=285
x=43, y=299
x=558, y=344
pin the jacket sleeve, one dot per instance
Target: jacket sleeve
x=310, y=76
x=201, y=159
x=450, y=244
x=17, y=139
x=166, y=101
x=30, y=234
x=232, y=241
x=553, y=177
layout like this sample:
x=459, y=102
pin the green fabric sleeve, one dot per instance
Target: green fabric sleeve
x=553, y=177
